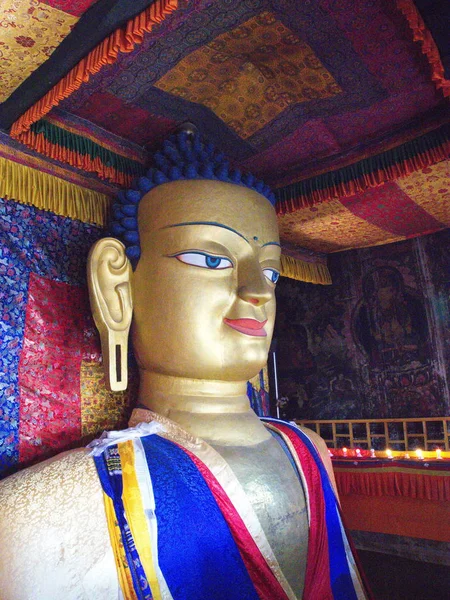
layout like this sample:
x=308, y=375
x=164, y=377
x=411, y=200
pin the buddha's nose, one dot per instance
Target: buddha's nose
x=252, y=285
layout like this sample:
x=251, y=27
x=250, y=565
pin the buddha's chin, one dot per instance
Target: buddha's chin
x=250, y=365
x=236, y=358
x=231, y=371
x=238, y=362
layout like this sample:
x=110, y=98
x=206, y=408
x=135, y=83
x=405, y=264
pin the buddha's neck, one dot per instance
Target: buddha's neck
x=216, y=411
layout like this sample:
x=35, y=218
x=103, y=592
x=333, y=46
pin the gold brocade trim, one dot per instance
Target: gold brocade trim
x=120, y=558
x=305, y=271
x=135, y=515
x=47, y=192
x=102, y=409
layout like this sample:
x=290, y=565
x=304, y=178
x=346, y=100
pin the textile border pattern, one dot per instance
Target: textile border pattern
x=397, y=162
x=69, y=139
x=396, y=478
x=49, y=184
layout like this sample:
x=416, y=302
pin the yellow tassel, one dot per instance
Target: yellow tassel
x=47, y=192
x=124, y=574
x=305, y=271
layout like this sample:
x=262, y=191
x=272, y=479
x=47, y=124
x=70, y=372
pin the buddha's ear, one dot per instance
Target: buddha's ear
x=109, y=273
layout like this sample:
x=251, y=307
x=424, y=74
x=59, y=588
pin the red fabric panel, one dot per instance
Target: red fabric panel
x=317, y=577
x=49, y=369
x=260, y=573
x=73, y=7
x=390, y=209
x=425, y=486
x=102, y=108
x=407, y=517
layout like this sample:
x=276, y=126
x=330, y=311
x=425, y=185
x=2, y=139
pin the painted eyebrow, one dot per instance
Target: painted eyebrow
x=214, y=224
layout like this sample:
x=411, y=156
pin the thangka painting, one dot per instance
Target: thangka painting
x=375, y=344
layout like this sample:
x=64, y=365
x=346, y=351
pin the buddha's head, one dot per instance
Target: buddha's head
x=206, y=258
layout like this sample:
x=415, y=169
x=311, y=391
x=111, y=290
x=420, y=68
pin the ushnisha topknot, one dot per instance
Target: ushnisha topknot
x=183, y=156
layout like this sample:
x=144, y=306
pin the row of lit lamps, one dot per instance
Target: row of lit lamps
x=388, y=453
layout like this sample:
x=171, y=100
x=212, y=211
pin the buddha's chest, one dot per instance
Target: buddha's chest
x=276, y=495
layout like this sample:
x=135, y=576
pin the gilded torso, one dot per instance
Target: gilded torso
x=278, y=499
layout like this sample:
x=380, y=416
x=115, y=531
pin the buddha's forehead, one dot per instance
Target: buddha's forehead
x=207, y=201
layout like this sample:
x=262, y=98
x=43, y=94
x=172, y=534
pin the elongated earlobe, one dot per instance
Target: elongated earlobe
x=109, y=273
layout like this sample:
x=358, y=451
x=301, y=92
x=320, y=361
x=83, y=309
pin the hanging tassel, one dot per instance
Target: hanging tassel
x=308, y=272
x=123, y=40
x=47, y=192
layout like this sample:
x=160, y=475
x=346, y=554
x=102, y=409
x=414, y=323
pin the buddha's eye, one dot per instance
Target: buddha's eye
x=271, y=275
x=206, y=261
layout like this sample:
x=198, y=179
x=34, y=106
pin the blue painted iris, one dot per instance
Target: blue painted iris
x=212, y=262
x=271, y=275
x=205, y=261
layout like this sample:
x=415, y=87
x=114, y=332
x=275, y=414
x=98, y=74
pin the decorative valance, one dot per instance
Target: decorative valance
x=304, y=265
x=418, y=204
x=74, y=141
x=429, y=48
x=426, y=481
x=41, y=182
x=390, y=165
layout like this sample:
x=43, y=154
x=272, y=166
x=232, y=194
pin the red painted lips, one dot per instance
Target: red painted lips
x=248, y=326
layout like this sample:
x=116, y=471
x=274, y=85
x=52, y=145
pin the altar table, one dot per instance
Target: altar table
x=408, y=498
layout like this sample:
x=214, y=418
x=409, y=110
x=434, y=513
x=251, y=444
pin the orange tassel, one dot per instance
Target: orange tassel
x=429, y=48
x=106, y=53
x=38, y=142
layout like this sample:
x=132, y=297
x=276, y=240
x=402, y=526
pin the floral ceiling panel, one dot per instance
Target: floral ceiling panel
x=330, y=101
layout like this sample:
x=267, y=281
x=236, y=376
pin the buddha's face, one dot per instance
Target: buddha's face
x=204, y=287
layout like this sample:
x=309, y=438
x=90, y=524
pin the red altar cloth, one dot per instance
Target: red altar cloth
x=408, y=498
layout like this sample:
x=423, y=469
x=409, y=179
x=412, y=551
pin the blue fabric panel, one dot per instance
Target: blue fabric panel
x=14, y=272
x=31, y=240
x=197, y=553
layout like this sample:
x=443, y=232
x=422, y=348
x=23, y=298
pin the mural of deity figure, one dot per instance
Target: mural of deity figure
x=389, y=321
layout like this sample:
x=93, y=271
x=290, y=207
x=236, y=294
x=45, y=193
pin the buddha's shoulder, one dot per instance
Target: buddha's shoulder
x=322, y=448
x=318, y=441
x=71, y=474
x=53, y=532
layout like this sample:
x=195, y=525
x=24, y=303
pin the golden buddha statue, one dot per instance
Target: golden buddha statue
x=202, y=295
